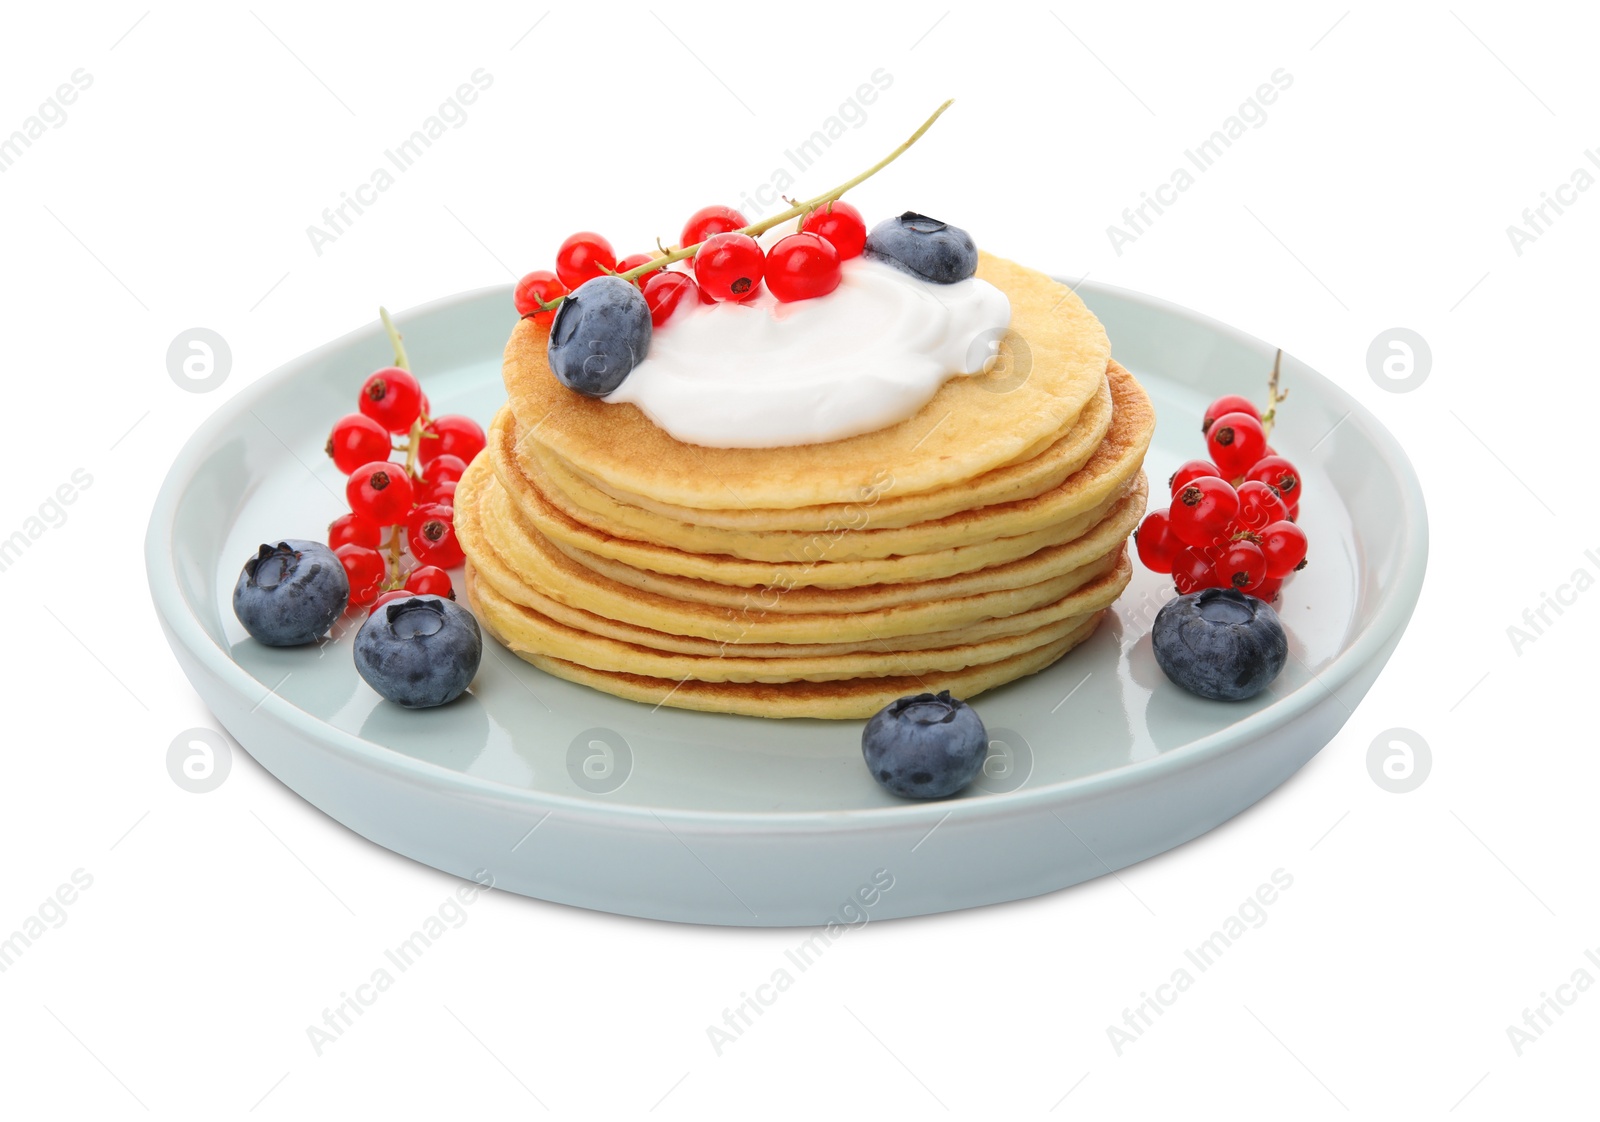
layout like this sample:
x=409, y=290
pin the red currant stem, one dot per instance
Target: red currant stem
x=1273, y=395
x=400, y=359
x=756, y=229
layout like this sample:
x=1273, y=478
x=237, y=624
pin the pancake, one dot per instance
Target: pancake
x=645, y=517
x=852, y=699
x=969, y=427
x=523, y=629
x=849, y=557
x=499, y=541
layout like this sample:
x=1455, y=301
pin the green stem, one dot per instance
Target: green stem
x=413, y=439
x=1273, y=396
x=755, y=229
x=400, y=359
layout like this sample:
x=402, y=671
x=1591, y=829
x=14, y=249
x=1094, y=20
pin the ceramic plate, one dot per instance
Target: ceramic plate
x=566, y=794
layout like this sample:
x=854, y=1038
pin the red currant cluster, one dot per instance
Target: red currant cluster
x=727, y=263
x=411, y=501
x=1232, y=519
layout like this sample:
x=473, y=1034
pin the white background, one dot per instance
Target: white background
x=1377, y=194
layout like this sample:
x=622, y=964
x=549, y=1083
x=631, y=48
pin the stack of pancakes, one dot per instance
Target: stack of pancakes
x=971, y=544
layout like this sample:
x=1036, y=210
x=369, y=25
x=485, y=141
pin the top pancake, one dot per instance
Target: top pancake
x=969, y=427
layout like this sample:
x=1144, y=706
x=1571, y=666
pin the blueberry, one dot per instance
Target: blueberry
x=925, y=747
x=600, y=333
x=419, y=651
x=290, y=593
x=924, y=247
x=1220, y=643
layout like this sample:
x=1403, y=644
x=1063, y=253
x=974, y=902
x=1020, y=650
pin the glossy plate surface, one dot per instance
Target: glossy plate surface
x=562, y=793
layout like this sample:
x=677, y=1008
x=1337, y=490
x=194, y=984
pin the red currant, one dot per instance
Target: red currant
x=1285, y=546
x=841, y=224
x=802, y=267
x=380, y=491
x=364, y=566
x=450, y=435
x=1267, y=590
x=1242, y=565
x=1231, y=403
x=729, y=266
x=665, y=290
x=1259, y=506
x=430, y=580
x=582, y=257
x=539, y=286
x=443, y=469
x=431, y=533
x=1191, y=470
x=352, y=529
x=709, y=220
x=443, y=493
x=1279, y=474
x=391, y=595
x=392, y=398
x=357, y=439
x=1192, y=570
x=1202, y=512
x=1156, y=543
x=1235, y=441
x=632, y=261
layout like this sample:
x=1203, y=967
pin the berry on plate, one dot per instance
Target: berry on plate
x=1279, y=474
x=924, y=247
x=451, y=435
x=729, y=266
x=430, y=580
x=1219, y=643
x=380, y=491
x=801, y=267
x=290, y=593
x=841, y=224
x=357, y=439
x=709, y=220
x=353, y=529
x=538, y=287
x=431, y=534
x=1236, y=441
x=1203, y=510
x=582, y=257
x=364, y=569
x=926, y=746
x=392, y=398
x=1191, y=470
x=601, y=332
x=419, y=651
x=1156, y=543
x=1228, y=403
x=664, y=291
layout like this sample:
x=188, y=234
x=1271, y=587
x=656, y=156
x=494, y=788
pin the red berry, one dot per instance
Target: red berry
x=633, y=261
x=380, y=491
x=444, y=493
x=728, y=266
x=841, y=224
x=1192, y=469
x=1242, y=565
x=353, y=529
x=1279, y=474
x=431, y=533
x=392, y=594
x=1202, y=512
x=430, y=580
x=392, y=398
x=443, y=469
x=1267, y=590
x=1156, y=542
x=1285, y=546
x=450, y=435
x=1192, y=570
x=1235, y=441
x=539, y=286
x=665, y=290
x=802, y=267
x=582, y=257
x=357, y=439
x=364, y=566
x=1232, y=403
x=1259, y=506
x=709, y=220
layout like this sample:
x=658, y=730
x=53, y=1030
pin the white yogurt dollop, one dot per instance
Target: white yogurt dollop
x=765, y=374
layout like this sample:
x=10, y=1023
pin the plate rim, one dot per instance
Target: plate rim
x=183, y=626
